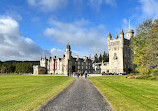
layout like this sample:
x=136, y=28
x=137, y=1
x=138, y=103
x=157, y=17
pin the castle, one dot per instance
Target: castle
x=120, y=53
x=64, y=66
x=120, y=59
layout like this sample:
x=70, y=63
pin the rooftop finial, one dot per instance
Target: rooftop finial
x=129, y=23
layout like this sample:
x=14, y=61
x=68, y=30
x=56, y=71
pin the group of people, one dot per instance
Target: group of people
x=79, y=75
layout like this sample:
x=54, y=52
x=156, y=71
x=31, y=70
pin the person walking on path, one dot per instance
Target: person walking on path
x=78, y=75
x=85, y=75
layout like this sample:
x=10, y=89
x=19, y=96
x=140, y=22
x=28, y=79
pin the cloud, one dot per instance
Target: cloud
x=14, y=46
x=57, y=52
x=53, y=5
x=97, y=3
x=47, y=5
x=149, y=8
x=81, y=35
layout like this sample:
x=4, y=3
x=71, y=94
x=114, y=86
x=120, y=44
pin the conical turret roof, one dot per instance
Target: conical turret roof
x=68, y=46
x=116, y=36
x=109, y=35
x=121, y=32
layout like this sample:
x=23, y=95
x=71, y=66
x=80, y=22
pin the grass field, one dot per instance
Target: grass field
x=27, y=93
x=128, y=94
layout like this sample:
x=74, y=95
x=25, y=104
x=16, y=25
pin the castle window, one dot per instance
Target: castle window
x=115, y=56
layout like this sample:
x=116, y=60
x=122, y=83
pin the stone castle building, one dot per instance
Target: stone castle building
x=120, y=59
x=64, y=66
x=120, y=53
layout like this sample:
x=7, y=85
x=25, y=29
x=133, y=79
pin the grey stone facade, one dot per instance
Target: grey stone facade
x=66, y=65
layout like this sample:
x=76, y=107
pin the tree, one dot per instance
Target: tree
x=152, y=42
x=96, y=58
x=139, y=47
x=105, y=57
x=100, y=58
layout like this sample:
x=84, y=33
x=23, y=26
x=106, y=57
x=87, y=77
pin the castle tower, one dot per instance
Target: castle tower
x=68, y=52
x=67, y=63
x=43, y=62
x=129, y=32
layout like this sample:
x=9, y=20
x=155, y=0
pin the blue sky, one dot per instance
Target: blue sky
x=30, y=29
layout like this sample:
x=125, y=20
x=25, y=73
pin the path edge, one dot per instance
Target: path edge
x=102, y=95
x=56, y=95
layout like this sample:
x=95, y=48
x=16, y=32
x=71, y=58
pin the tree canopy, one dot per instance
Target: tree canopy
x=145, y=46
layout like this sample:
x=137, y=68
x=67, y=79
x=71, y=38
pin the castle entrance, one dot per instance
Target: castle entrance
x=73, y=68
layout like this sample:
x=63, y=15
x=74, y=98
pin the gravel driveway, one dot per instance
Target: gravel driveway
x=81, y=95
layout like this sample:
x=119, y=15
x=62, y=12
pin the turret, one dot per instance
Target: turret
x=109, y=35
x=68, y=48
x=121, y=33
x=68, y=52
x=130, y=32
x=116, y=36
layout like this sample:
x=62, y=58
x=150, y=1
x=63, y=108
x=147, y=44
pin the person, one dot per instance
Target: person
x=78, y=75
x=85, y=75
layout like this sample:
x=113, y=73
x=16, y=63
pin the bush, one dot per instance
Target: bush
x=143, y=77
x=154, y=72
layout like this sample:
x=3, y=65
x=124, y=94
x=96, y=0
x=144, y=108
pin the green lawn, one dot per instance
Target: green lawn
x=27, y=93
x=128, y=94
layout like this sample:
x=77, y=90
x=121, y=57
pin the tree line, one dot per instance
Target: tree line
x=145, y=48
x=17, y=67
x=102, y=57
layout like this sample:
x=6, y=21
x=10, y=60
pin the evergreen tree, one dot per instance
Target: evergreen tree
x=104, y=57
x=96, y=58
x=100, y=58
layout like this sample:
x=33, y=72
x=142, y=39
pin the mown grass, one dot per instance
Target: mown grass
x=128, y=94
x=28, y=93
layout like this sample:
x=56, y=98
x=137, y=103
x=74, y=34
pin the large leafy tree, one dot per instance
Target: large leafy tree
x=139, y=46
x=152, y=44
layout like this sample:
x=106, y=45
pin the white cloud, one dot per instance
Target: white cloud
x=14, y=46
x=111, y=2
x=80, y=34
x=52, y=5
x=47, y=5
x=149, y=8
x=97, y=3
x=56, y=52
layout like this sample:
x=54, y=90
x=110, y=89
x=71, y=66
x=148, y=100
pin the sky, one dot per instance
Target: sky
x=30, y=29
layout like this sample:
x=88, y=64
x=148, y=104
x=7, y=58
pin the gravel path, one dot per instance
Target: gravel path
x=81, y=95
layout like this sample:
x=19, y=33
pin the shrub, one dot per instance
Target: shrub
x=154, y=72
x=143, y=77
